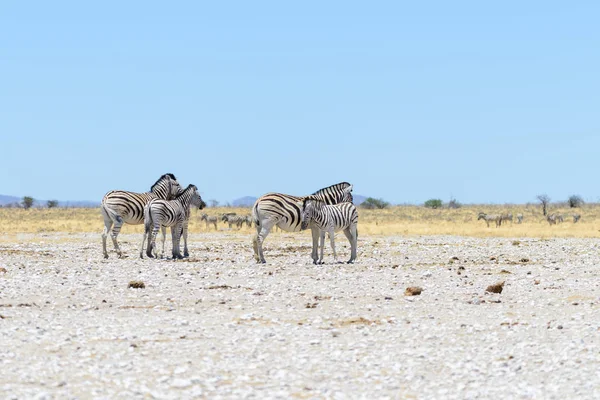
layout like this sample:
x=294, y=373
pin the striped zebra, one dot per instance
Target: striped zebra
x=233, y=219
x=506, y=217
x=210, y=220
x=248, y=220
x=330, y=219
x=119, y=207
x=285, y=212
x=554, y=219
x=519, y=218
x=160, y=214
x=576, y=218
x=490, y=218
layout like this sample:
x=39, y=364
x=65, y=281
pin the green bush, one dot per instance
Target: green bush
x=433, y=203
x=575, y=201
x=27, y=202
x=371, y=204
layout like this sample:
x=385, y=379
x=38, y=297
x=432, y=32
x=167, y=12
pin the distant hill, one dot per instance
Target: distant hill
x=248, y=201
x=12, y=200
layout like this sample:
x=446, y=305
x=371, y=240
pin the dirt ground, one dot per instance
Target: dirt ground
x=217, y=325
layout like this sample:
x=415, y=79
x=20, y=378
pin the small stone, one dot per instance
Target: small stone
x=413, y=291
x=136, y=285
x=496, y=288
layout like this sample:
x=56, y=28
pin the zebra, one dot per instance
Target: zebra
x=489, y=218
x=175, y=213
x=210, y=220
x=329, y=219
x=248, y=221
x=554, y=219
x=233, y=219
x=285, y=212
x=519, y=218
x=119, y=207
x=576, y=218
x=506, y=217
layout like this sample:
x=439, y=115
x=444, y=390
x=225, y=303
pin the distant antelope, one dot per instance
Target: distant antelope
x=506, y=217
x=519, y=218
x=489, y=218
x=576, y=218
x=210, y=220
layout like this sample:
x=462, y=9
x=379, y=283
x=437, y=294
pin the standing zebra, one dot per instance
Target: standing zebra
x=210, y=220
x=285, y=212
x=506, y=217
x=519, y=218
x=159, y=214
x=248, y=221
x=329, y=219
x=119, y=206
x=576, y=218
x=233, y=220
x=489, y=218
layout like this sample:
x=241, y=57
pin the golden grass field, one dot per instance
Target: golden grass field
x=396, y=220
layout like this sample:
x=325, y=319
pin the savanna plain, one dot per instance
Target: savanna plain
x=218, y=325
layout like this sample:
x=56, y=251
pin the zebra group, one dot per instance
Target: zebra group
x=167, y=204
x=498, y=219
x=554, y=219
x=289, y=213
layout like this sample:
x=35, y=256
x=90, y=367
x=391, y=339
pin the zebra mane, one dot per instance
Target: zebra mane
x=341, y=185
x=169, y=175
x=186, y=190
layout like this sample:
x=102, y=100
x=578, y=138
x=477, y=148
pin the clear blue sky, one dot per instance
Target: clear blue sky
x=483, y=101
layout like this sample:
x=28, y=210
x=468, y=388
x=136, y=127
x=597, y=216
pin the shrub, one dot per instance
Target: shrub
x=370, y=203
x=575, y=201
x=433, y=203
x=27, y=202
x=52, y=203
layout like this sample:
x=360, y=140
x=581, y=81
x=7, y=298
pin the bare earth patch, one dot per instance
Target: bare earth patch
x=217, y=324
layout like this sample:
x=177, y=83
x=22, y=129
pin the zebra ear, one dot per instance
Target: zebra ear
x=349, y=189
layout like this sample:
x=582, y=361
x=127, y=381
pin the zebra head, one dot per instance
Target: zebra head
x=196, y=199
x=167, y=187
x=203, y=216
x=309, y=206
x=334, y=194
x=481, y=216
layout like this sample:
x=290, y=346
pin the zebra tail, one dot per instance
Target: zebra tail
x=147, y=219
x=112, y=214
x=255, y=215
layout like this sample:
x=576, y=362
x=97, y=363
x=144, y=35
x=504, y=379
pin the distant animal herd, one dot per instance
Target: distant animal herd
x=325, y=211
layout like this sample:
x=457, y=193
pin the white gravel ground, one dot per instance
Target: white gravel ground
x=220, y=326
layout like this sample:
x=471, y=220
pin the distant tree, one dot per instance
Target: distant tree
x=370, y=203
x=52, y=203
x=453, y=203
x=433, y=203
x=27, y=202
x=575, y=201
x=544, y=200
x=213, y=203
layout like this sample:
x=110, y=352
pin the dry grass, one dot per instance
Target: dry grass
x=398, y=220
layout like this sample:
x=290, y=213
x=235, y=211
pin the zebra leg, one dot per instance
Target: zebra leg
x=151, y=250
x=262, y=232
x=332, y=240
x=322, y=244
x=108, y=223
x=176, y=237
x=142, y=246
x=163, y=230
x=185, y=235
x=315, y=244
x=352, y=235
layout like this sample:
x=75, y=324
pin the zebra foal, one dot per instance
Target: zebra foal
x=119, y=207
x=285, y=212
x=330, y=219
x=210, y=220
x=160, y=214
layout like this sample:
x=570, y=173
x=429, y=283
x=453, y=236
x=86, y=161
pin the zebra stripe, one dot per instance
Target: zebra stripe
x=210, y=220
x=330, y=219
x=519, y=218
x=285, y=212
x=119, y=207
x=160, y=214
